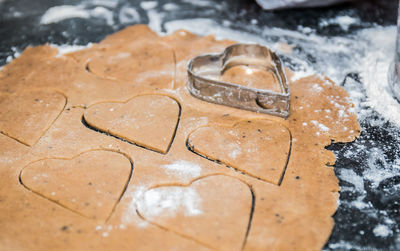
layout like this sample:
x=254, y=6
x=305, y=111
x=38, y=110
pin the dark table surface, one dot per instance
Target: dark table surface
x=354, y=229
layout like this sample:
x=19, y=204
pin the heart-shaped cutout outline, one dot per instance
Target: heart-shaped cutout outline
x=131, y=139
x=188, y=186
x=225, y=161
x=157, y=51
x=74, y=158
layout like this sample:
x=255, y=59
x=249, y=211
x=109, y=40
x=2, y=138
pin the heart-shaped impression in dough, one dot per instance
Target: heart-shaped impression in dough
x=149, y=120
x=26, y=117
x=151, y=64
x=259, y=148
x=217, y=217
x=90, y=184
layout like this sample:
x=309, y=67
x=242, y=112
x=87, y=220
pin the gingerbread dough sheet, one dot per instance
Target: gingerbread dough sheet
x=124, y=158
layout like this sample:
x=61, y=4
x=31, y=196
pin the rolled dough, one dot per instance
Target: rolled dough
x=203, y=192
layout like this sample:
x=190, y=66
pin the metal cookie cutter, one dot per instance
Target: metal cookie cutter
x=204, y=72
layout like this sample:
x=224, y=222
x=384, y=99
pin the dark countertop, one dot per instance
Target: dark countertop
x=354, y=228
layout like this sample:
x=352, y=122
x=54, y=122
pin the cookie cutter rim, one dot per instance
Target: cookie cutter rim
x=235, y=95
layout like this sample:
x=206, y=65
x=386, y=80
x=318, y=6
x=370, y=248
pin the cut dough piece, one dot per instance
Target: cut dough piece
x=214, y=210
x=149, y=120
x=90, y=184
x=118, y=64
x=259, y=148
x=25, y=117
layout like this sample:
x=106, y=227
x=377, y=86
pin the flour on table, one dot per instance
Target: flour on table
x=382, y=231
x=170, y=6
x=128, y=15
x=63, y=12
x=147, y=5
x=343, y=21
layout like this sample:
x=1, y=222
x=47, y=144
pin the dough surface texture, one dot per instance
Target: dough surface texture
x=119, y=156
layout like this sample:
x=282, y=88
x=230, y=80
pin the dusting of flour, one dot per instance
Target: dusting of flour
x=63, y=12
x=169, y=201
x=183, y=169
x=382, y=231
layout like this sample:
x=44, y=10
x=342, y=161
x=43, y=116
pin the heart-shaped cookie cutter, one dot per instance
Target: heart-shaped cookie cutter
x=204, y=71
